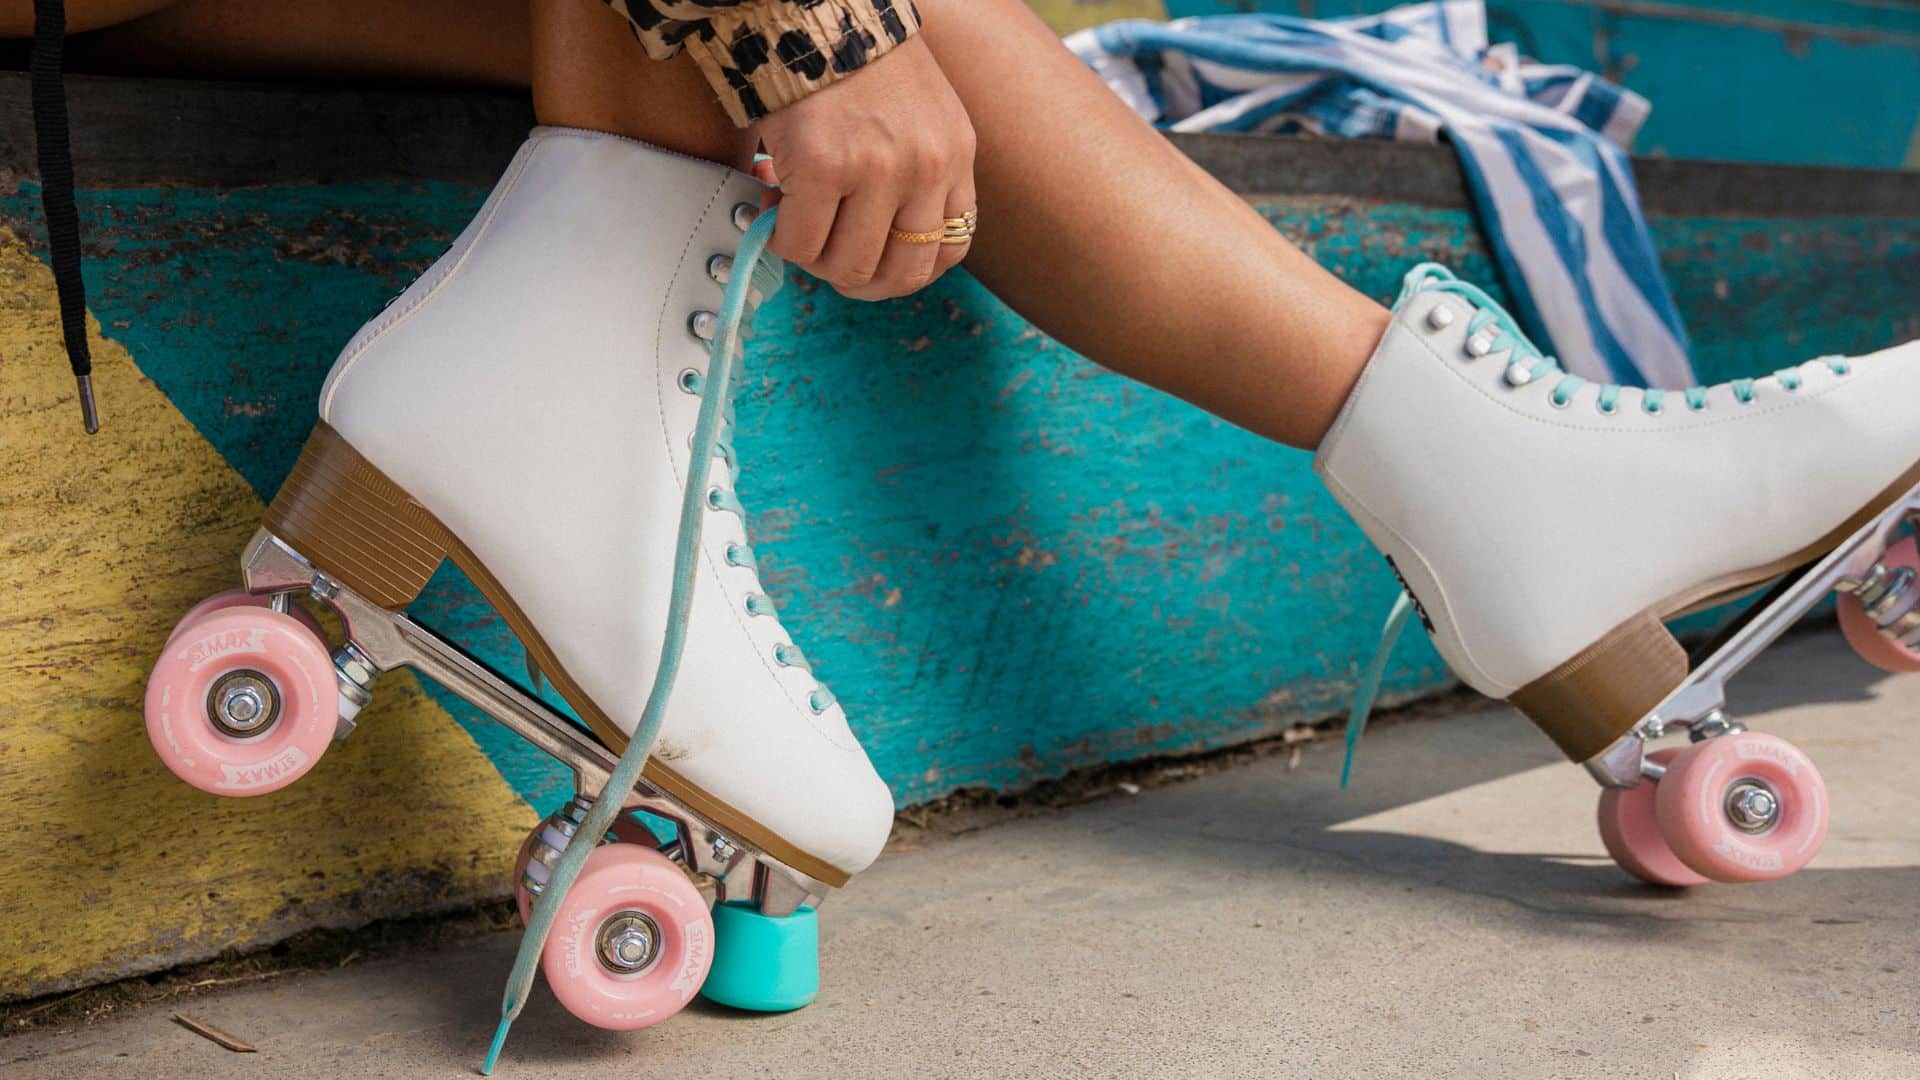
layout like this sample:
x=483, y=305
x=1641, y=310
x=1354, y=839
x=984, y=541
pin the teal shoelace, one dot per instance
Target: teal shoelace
x=765, y=276
x=1490, y=333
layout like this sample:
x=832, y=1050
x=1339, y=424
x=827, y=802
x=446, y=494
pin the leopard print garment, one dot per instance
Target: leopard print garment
x=762, y=55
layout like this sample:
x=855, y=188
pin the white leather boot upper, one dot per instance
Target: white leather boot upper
x=536, y=390
x=1529, y=512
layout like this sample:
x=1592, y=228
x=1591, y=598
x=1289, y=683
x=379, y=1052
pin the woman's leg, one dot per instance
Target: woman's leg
x=481, y=42
x=1168, y=277
x=1092, y=224
x=1147, y=265
x=589, y=72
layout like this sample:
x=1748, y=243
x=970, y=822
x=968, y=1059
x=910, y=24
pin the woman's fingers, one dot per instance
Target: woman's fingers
x=852, y=258
x=806, y=224
x=908, y=265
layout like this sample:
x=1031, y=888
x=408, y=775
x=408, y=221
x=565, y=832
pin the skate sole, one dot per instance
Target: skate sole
x=355, y=524
x=1591, y=700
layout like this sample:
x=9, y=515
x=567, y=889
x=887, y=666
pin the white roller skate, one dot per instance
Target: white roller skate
x=1545, y=527
x=546, y=407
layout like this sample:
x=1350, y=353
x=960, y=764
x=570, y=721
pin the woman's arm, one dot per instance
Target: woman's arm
x=763, y=55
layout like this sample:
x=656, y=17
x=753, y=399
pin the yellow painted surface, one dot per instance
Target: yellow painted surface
x=108, y=865
x=1066, y=16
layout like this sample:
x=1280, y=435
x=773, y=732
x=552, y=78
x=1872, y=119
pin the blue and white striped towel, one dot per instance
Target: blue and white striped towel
x=1543, y=148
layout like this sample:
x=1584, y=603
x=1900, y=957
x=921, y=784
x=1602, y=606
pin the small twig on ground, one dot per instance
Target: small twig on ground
x=208, y=1031
x=48, y=1004
x=228, y=980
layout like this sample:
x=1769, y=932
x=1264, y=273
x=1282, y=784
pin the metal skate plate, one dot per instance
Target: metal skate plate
x=385, y=640
x=1704, y=691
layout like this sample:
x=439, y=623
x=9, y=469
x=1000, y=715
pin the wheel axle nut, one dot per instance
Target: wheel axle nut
x=1752, y=807
x=628, y=942
x=243, y=703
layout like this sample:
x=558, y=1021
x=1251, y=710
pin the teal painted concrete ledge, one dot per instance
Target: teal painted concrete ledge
x=1008, y=562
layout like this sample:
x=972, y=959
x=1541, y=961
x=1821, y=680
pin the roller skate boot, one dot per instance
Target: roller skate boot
x=546, y=407
x=1545, y=527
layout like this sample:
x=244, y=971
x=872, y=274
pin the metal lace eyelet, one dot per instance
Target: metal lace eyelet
x=1559, y=402
x=815, y=703
x=1606, y=409
x=703, y=325
x=744, y=215
x=690, y=381
x=720, y=268
x=713, y=503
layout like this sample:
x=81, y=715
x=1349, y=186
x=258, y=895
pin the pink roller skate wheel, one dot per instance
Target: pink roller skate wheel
x=1632, y=835
x=1760, y=781
x=633, y=941
x=234, y=598
x=1864, y=634
x=625, y=830
x=252, y=663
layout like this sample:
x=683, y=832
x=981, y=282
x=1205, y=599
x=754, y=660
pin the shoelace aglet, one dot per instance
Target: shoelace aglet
x=89, y=413
x=493, y=1049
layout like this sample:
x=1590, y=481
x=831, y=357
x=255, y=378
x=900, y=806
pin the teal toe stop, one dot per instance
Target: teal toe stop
x=763, y=963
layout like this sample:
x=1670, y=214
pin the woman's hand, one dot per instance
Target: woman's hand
x=890, y=146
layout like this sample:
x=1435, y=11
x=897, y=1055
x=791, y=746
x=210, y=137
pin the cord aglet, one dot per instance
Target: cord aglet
x=89, y=414
x=493, y=1050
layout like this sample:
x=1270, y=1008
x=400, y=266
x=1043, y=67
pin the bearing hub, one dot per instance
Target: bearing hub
x=627, y=942
x=1752, y=806
x=243, y=703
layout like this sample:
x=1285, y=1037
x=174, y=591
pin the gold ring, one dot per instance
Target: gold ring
x=953, y=230
x=906, y=237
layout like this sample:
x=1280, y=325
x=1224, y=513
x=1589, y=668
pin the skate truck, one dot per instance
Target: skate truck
x=1732, y=805
x=627, y=920
x=1739, y=805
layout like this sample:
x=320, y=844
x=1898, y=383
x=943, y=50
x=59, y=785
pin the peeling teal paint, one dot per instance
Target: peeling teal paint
x=1007, y=561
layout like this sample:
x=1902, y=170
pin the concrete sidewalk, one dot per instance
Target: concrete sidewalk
x=1452, y=916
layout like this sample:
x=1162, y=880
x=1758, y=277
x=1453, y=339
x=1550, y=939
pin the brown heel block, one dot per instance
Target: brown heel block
x=1587, y=703
x=351, y=521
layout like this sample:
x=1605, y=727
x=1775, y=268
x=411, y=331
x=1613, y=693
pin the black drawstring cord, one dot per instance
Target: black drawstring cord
x=50, y=133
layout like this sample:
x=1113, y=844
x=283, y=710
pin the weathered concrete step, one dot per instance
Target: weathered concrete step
x=1007, y=561
x=1452, y=916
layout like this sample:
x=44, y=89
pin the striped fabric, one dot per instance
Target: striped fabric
x=1543, y=149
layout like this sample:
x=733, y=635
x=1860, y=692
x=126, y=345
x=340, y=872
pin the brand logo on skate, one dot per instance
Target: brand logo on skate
x=1768, y=750
x=693, y=966
x=242, y=777
x=1419, y=608
x=1748, y=857
x=224, y=643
